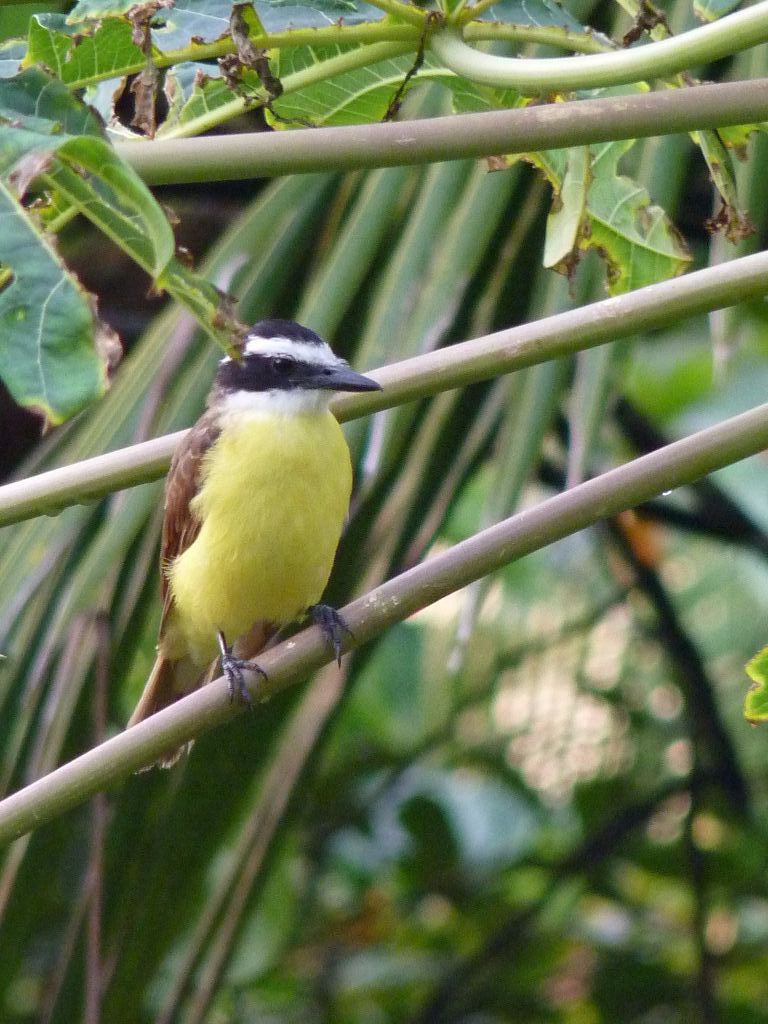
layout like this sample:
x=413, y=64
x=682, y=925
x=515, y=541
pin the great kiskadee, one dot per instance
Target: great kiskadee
x=255, y=502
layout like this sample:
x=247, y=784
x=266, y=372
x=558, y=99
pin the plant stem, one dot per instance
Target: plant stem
x=701, y=45
x=401, y=11
x=327, y=35
x=355, y=35
x=456, y=137
x=625, y=487
x=549, y=35
x=458, y=365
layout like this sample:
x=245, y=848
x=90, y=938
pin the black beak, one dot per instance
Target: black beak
x=340, y=378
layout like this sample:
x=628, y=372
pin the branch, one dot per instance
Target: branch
x=455, y=366
x=628, y=485
x=455, y=137
x=531, y=76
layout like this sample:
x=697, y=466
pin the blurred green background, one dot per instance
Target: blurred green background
x=536, y=801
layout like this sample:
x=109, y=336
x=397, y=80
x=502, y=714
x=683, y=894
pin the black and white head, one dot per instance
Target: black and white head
x=284, y=369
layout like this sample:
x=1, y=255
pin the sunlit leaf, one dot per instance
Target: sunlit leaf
x=188, y=21
x=81, y=54
x=756, y=702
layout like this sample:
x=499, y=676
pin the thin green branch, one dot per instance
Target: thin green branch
x=456, y=366
x=401, y=11
x=326, y=35
x=456, y=137
x=566, y=513
x=470, y=13
x=356, y=35
x=702, y=45
x=548, y=35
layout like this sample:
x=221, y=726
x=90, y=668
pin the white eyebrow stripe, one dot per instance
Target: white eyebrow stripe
x=304, y=351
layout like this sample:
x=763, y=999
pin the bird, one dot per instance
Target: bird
x=256, y=499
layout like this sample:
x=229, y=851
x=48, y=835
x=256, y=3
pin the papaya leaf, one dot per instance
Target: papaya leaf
x=196, y=90
x=48, y=358
x=115, y=199
x=756, y=702
x=711, y=10
x=204, y=21
x=569, y=205
x=48, y=135
x=539, y=13
x=12, y=52
x=79, y=55
x=34, y=102
x=42, y=117
x=636, y=238
x=359, y=96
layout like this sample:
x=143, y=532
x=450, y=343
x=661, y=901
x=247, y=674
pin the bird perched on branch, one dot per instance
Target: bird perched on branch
x=255, y=502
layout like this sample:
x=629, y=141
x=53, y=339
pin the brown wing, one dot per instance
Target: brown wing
x=180, y=526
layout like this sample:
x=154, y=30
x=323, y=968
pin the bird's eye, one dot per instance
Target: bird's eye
x=282, y=364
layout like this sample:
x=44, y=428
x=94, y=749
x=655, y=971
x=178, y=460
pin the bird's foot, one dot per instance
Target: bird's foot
x=234, y=669
x=332, y=625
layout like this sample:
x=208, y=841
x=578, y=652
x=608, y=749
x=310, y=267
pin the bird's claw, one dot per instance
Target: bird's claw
x=234, y=669
x=332, y=625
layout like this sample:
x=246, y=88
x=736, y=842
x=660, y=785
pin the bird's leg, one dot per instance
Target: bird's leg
x=234, y=669
x=332, y=625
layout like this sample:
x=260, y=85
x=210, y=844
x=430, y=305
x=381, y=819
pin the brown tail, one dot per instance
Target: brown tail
x=168, y=682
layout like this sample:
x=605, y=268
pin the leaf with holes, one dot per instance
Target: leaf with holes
x=198, y=96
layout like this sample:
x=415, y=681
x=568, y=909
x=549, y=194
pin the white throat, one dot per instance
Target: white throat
x=293, y=402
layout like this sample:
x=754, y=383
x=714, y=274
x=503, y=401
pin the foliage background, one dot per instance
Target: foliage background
x=537, y=800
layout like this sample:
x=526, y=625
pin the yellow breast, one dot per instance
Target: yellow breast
x=275, y=492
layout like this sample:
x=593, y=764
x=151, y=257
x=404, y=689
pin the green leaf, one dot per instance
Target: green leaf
x=569, y=206
x=756, y=702
x=48, y=358
x=32, y=104
x=539, y=13
x=206, y=21
x=12, y=52
x=360, y=96
x=86, y=172
x=196, y=91
x=43, y=117
x=116, y=200
x=82, y=54
x=711, y=10
x=637, y=239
